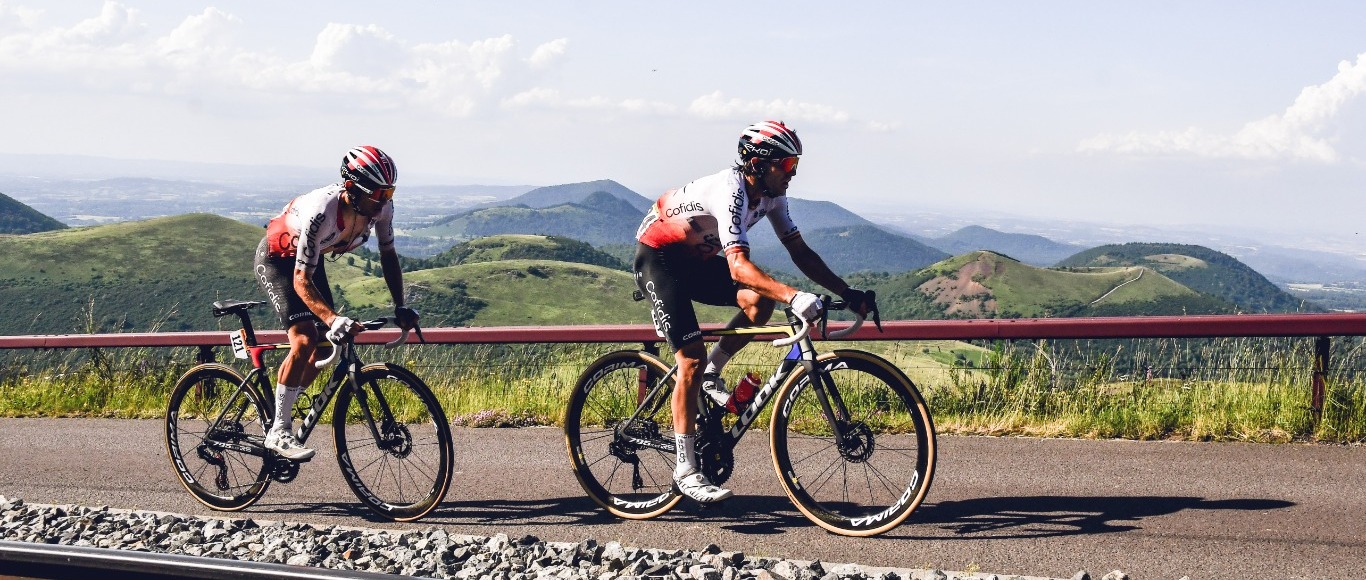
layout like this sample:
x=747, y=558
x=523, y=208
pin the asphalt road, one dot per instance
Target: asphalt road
x=1043, y=507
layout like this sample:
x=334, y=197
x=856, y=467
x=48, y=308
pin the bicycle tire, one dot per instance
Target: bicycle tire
x=218, y=477
x=628, y=480
x=405, y=473
x=874, y=482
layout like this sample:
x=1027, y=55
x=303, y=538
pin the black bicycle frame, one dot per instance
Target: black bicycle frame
x=803, y=352
x=347, y=368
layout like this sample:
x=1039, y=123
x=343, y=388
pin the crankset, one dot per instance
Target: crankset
x=283, y=470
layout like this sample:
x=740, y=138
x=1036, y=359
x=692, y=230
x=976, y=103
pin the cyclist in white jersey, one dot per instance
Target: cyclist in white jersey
x=694, y=247
x=334, y=219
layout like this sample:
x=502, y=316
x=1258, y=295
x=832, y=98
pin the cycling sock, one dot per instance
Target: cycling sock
x=685, y=444
x=284, y=406
x=716, y=360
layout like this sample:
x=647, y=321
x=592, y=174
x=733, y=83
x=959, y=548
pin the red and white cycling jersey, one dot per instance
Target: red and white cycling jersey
x=312, y=224
x=710, y=215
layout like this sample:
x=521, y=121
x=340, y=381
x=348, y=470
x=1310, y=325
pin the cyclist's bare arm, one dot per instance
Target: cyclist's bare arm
x=750, y=276
x=313, y=299
x=814, y=267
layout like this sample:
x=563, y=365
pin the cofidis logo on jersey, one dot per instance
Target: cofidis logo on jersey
x=683, y=207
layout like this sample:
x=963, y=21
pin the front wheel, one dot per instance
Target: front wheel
x=870, y=477
x=215, y=430
x=619, y=430
x=393, y=442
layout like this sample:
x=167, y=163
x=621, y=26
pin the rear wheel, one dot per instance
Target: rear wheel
x=215, y=429
x=625, y=465
x=870, y=478
x=393, y=442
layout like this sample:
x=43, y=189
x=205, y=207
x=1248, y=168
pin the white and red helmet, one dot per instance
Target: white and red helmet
x=369, y=168
x=768, y=140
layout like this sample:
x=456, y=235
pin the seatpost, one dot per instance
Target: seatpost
x=246, y=327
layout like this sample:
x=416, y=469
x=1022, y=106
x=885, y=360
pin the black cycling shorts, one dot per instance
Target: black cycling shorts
x=672, y=279
x=275, y=276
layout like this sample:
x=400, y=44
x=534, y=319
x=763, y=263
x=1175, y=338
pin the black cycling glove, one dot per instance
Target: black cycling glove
x=855, y=298
x=407, y=317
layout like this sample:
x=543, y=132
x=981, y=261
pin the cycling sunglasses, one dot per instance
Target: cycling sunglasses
x=382, y=193
x=789, y=164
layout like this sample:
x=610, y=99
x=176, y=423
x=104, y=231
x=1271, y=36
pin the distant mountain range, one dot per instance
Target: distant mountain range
x=1030, y=249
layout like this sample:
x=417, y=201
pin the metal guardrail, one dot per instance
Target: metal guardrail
x=1319, y=326
x=50, y=561
x=1203, y=326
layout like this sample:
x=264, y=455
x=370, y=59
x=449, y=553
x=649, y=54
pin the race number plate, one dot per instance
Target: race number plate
x=239, y=344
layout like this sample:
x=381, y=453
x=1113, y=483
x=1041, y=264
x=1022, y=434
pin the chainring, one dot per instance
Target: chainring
x=715, y=459
x=283, y=470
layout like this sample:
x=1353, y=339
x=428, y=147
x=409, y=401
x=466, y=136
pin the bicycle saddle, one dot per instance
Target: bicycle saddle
x=226, y=307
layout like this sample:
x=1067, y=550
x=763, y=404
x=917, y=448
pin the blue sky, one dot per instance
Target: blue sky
x=1145, y=113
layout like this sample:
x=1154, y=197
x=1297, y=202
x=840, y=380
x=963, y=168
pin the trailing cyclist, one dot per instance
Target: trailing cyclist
x=694, y=247
x=333, y=219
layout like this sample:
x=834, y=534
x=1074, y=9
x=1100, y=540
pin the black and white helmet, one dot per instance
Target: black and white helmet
x=369, y=168
x=768, y=140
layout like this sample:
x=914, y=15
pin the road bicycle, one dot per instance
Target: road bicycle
x=851, y=438
x=392, y=439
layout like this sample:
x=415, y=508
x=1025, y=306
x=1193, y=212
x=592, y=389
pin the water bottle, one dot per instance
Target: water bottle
x=743, y=394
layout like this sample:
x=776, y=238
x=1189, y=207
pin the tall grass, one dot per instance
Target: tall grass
x=1223, y=389
x=1233, y=389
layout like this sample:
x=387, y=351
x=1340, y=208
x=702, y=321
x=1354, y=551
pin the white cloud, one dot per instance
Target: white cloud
x=116, y=24
x=717, y=106
x=351, y=66
x=1299, y=133
x=16, y=18
x=115, y=51
x=546, y=54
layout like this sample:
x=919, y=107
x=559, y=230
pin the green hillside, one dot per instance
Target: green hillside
x=989, y=285
x=132, y=276
x=1199, y=268
x=18, y=218
x=516, y=293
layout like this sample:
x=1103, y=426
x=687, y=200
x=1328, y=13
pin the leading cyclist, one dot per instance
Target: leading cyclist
x=337, y=218
x=694, y=247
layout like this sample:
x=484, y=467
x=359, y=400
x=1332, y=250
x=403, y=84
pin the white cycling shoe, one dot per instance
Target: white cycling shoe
x=698, y=487
x=714, y=386
x=287, y=446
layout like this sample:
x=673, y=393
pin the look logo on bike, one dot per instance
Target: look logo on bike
x=694, y=247
x=334, y=219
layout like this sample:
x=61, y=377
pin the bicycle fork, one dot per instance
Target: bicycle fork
x=827, y=394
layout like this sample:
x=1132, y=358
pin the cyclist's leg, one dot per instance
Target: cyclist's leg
x=755, y=310
x=669, y=280
x=723, y=291
x=275, y=276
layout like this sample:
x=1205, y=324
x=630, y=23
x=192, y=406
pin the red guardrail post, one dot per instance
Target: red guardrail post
x=1320, y=384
